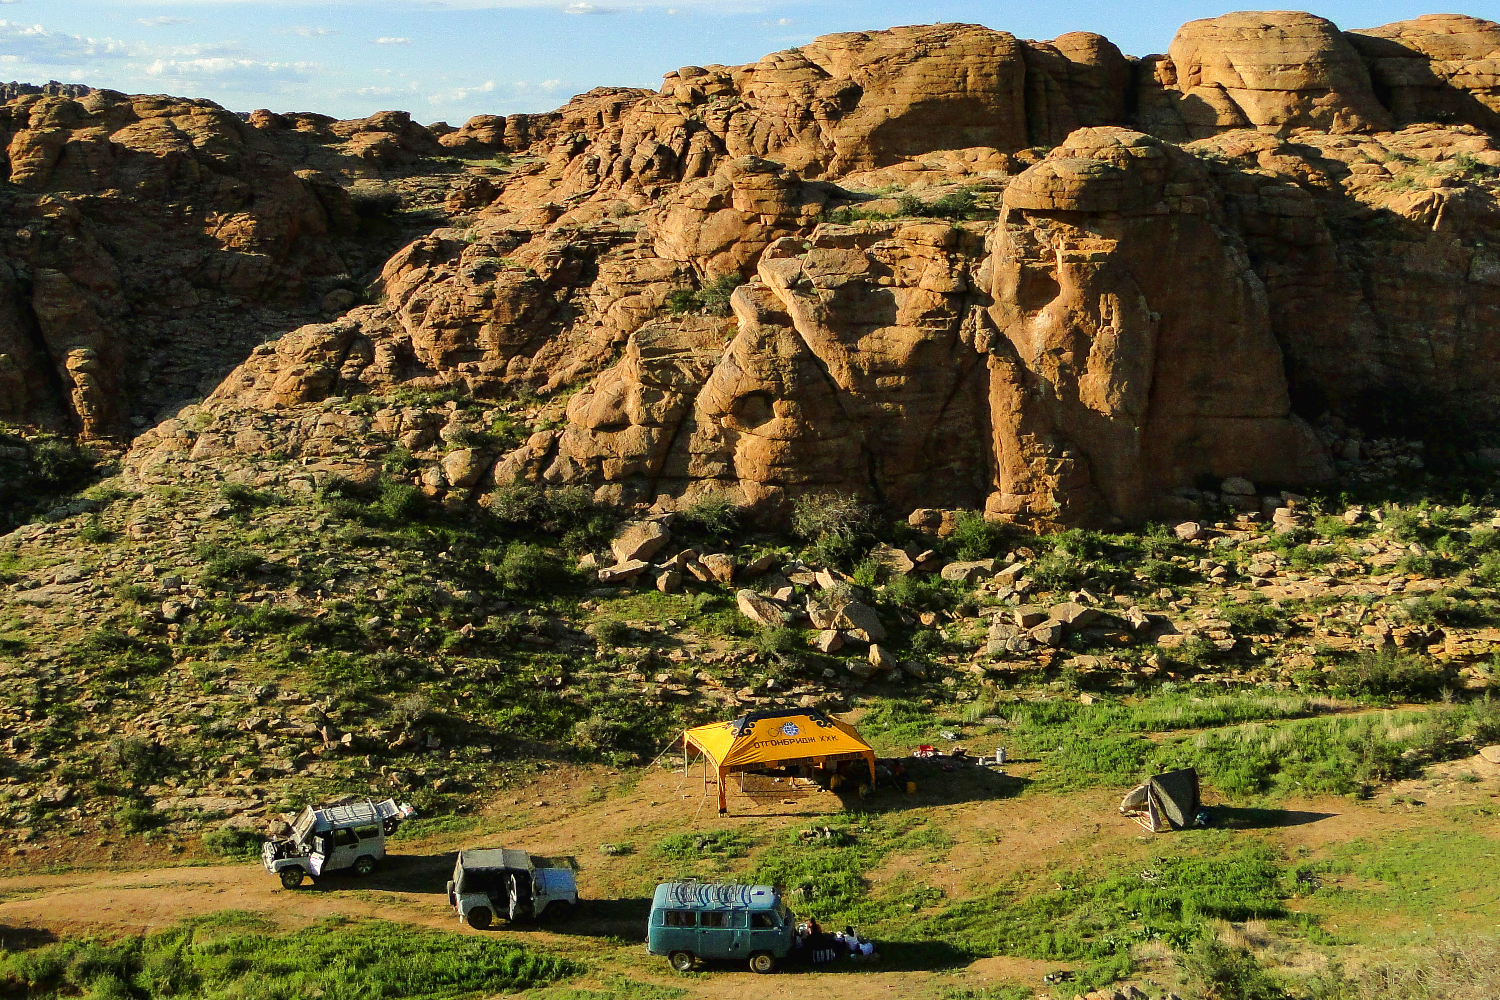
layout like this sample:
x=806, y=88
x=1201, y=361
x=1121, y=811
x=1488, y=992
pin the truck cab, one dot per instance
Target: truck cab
x=697, y=920
x=334, y=838
x=513, y=885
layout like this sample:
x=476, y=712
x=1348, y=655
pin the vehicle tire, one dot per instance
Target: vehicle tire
x=364, y=865
x=291, y=878
x=762, y=962
x=558, y=911
x=479, y=918
x=682, y=961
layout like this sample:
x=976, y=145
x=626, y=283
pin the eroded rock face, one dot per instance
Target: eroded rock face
x=1138, y=352
x=1278, y=68
x=1437, y=68
x=1185, y=258
x=143, y=233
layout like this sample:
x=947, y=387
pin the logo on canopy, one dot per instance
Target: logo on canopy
x=790, y=729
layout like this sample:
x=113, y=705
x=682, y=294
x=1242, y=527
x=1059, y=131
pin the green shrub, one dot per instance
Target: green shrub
x=525, y=568
x=781, y=641
x=138, y=760
x=242, y=498
x=914, y=592
x=94, y=532
x=232, y=842
x=609, y=633
x=58, y=465
x=711, y=299
x=1389, y=674
x=1255, y=615
x=137, y=817
x=712, y=514
x=570, y=514
x=222, y=564
x=836, y=525
x=1215, y=971
x=1059, y=571
x=975, y=537
x=958, y=205
x=118, y=653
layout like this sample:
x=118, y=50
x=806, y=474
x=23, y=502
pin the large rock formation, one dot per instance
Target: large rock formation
x=1178, y=263
x=150, y=242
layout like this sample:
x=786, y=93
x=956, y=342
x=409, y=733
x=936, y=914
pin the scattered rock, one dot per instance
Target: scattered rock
x=721, y=567
x=862, y=621
x=624, y=571
x=759, y=610
x=968, y=572
x=640, y=541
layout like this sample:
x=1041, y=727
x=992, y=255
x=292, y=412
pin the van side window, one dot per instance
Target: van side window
x=761, y=919
x=711, y=918
x=680, y=918
x=344, y=838
x=367, y=832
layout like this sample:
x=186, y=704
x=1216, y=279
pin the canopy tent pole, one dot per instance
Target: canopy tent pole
x=723, y=791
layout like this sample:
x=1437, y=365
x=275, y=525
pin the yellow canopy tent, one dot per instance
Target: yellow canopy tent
x=759, y=739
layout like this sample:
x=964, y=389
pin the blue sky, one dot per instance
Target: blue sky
x=450, y=59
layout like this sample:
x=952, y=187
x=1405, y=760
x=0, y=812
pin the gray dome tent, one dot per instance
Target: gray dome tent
x=1166, y=802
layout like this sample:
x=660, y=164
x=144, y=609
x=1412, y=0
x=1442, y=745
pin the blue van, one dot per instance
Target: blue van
x=693, y=920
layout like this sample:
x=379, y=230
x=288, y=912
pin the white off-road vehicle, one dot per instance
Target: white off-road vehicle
x=334, y=838
x=513, y=885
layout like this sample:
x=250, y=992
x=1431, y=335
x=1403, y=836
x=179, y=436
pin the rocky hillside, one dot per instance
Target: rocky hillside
x=927, y=267
x=740, y=394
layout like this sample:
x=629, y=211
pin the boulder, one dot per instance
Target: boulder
x=1049, y=633
x=881, y=658
x=1074, y=615
x=465, y=467
x=623, y=572
x=1189, y=531
x=894, y=559
x=720, y=566
x=669, y=581
x=1028, y=617
x=968, y=572
x=759, y=610
x=828, y=641
x=640, y=540
x=861, y=621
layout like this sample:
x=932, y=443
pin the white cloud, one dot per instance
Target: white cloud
x=162, y=22
x=303, y=32
x=587, y=8
x=460, y=94
x=391, y=40
x=225, y=73
x=34, y=43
